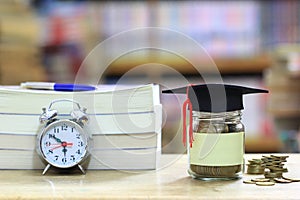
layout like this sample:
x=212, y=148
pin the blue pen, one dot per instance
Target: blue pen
x=57, y=86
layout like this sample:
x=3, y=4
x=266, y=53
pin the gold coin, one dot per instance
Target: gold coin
x=275, y=168
x=279, y=157
x=292, y=179
x=260, y=180
x=281, y=180
x=276, y=162
x=284, y=170
x=270, y=175
x=248, y=182
x=267, y=157
x=265, y=183
x=255, y=161
x=255, y=169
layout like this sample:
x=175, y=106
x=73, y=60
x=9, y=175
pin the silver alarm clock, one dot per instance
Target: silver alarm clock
x=63, y=142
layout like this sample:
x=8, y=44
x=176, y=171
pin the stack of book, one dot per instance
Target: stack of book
x=125, y=125
x=20, y=57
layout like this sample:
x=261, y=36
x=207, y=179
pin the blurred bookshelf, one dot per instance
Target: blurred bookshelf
x=54, y=37
x=237, y=34
x=283, y=81
x=245, y=65
x=20, y=55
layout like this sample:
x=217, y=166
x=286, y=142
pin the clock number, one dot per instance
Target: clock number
x=78, y=151
x=56, y=157
x=64, y=160
x=64, y=127
x=72, y=158
x=80, y=144
x=47, y=143
x=56, y=130
x=51, y=135
x=78, y=136
x=50, y=151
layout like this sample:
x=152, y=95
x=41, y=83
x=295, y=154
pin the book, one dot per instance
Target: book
x=125, y=124
x=119, y=159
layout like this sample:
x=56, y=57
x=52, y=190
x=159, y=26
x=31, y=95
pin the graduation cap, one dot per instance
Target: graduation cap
x=215, y=97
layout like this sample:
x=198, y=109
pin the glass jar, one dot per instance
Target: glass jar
x=218, y=148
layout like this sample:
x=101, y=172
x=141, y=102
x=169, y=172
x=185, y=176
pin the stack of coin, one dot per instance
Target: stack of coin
x=255, y=166
x=274, y=166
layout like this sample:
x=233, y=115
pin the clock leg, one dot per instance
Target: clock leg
x=46, y=169
x=81, y=169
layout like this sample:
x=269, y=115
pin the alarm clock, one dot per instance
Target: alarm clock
x=63, y=142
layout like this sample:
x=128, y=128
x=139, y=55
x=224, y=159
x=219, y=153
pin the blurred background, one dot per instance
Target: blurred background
x=253, y=43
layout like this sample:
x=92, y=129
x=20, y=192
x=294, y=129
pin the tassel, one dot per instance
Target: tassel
x=187, y=105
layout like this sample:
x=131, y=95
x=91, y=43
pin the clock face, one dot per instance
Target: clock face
x=63, y=144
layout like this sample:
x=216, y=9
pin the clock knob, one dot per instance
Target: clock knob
x=80, y=116
x=47, y=115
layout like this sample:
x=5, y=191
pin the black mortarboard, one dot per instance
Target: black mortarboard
x=216, y=97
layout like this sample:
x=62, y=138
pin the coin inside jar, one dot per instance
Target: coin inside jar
x=216, y=171
x=216, y=124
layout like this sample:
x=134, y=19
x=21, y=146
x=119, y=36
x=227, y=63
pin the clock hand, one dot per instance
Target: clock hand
x=64, y=144
x=57, y=139
x=65, y=151
x=55, y=147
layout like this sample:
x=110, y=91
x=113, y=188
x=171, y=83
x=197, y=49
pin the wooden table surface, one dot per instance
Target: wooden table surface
x=170, y=181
